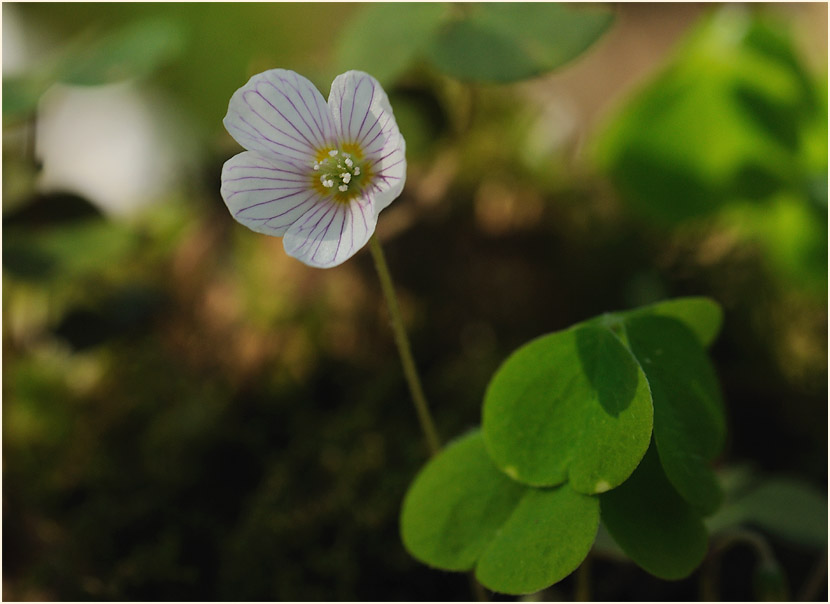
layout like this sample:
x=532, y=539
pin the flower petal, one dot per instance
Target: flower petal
x=280, y=113
x=331, y=232
x=389, y=169
x=265, y=194
x=362, y=116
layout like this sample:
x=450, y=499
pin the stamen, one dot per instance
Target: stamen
x=345, y=177
x=333, y=152
x=316, y=166
x=356, y=171
x=349, y=162
x=343, y=187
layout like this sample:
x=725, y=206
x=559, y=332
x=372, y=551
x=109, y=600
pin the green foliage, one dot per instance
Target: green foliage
x=456, y=505
x=784, y=507
x=770, y=583
x=486, y=42
x=68, y=252
x=573, y=410
x=134, y=51
x=689, y=423
x=462, y=513
x=277, y=384
x=735, y=127
x=543, y=541
x=653, y=525
x=507, y=42
x=571, y=406
x=702, y=315
x=384, y=38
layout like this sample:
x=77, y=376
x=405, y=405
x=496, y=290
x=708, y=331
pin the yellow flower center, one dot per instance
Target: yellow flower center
x=340, y=172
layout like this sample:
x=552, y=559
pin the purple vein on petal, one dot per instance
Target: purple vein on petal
x=309, y=242
x=308, y=199
x=338, y=211
x=260, y=189
x=380, y=132
x=376, y=125
x=282, y=115
x=262, y=137
x=311, y=130
x=340, y=116
x=274, y=126
x=377, y=160
x=302, y=181
x=320, y=132
x=257, y=131
x=267, y=201
x=351, y=110
x=368, y=108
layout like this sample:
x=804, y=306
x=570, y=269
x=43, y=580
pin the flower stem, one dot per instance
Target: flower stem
x=404, y=349
x=583, y=581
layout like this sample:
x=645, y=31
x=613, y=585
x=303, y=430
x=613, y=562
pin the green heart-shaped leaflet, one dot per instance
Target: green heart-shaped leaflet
x=570, y=406
x=689, y=422
x=462, y=513
x=652, y=524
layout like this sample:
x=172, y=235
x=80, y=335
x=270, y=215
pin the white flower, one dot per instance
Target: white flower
x=316, y=174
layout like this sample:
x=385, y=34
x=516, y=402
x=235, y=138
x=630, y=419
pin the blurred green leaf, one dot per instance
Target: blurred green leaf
x=573, y=405
x=69, y=251
x=134, y=51
x=384, y=38
x=506, y=42
x=21, y=94
x=689, y=422
x=732, y=126
x=652, y=524
x=770, y=583
x=784, y=507
x=461, y=512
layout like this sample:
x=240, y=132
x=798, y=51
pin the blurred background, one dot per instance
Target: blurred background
x=190, y=414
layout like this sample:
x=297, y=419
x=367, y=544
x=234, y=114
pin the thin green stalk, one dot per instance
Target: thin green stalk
x=404, y=349
x=478, y=588
x=583, y=581
x=710, y=574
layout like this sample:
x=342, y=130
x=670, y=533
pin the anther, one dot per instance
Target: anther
x=333, y=152
x=343, y=187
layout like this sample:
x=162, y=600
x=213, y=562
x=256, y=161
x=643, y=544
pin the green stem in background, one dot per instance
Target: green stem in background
x=478, y=588
x=710, y=575
x=404, y=349
x=582, y=593
x=812, y=587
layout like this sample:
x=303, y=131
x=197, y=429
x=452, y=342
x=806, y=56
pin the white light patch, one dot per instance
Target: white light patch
x=105, y=143
x=602, y=486
x=512, y=471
